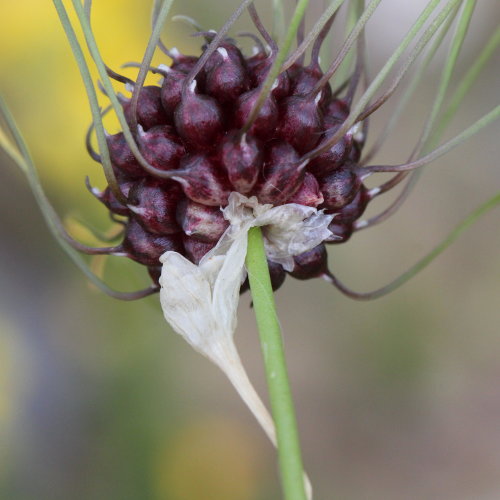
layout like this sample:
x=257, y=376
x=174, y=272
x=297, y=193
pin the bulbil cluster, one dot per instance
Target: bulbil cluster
x=195, y=131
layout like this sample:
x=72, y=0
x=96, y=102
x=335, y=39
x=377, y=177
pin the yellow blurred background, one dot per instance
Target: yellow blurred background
x=99, y=399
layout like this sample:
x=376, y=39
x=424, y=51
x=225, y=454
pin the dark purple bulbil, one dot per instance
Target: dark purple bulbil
x=301, y=122
x=196, y=249
x=193, y=128
x=308, y=193
x=242, y=157
x=153, y=203
x=155, y=273
x=334, y=157
x=171, y=91
x=310, y=264
x=335, y=111
x=340, y=232
x=266, y=122
x=108, y=198
x=305, y=79
x=145, y=247
x=205, y=223
x=282, y=174
x=150, y=112
x=354, y=209
x=282, y=87
x=227, y=77
x=203, y=181
x=198, y=119
x=339, y=188
x=183, y=63
x=161, y=147
x=122, y=158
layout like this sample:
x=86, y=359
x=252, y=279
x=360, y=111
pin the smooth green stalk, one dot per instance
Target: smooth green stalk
x=280, y=395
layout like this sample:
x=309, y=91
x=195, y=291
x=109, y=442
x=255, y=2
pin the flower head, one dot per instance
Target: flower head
x=206, y=132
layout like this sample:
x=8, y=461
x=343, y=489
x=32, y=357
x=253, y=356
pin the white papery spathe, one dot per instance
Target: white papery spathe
x=200, y=301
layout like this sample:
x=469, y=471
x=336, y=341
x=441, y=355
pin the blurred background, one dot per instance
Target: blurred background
x=99, y=399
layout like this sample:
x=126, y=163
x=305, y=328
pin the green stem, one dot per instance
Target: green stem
x=290, y=461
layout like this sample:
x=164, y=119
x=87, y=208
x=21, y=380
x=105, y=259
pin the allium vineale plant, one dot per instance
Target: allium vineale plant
x=270, y=126
x=192, y=131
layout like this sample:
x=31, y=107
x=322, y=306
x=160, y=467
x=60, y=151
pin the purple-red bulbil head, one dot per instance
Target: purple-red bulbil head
x=195, y=130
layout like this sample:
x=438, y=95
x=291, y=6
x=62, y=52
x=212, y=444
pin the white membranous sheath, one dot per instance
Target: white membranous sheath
x=200, y=301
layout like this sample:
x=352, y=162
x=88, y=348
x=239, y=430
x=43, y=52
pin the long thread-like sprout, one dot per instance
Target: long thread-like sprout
x=92, y=97
x=484, y=121
x=101, y=68
x=355, y=9
x=346, y=47
x=215, y=43
x=22, y=157
x=423, y=142
x=275, y=68
x=313, y=33
x=422, y=263
x=378, y=80
x=146, y=61
x=454, y=51
x=426, y=37
x=409, y=91
x=468, y=80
